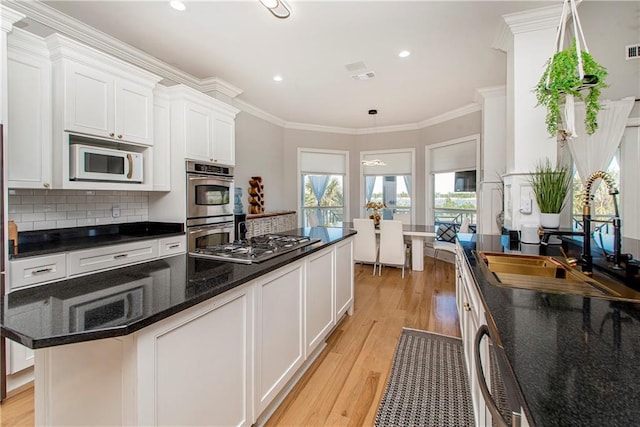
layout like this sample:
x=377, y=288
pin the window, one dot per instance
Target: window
x=322, y=200
x=454, y=199
x=389, y=181
x=451, y=177
x=602, y=208
x=323, y=174
x=391, y=190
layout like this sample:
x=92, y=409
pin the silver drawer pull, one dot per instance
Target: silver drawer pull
x=177, y=245
x=42, y=270
x=120, y=256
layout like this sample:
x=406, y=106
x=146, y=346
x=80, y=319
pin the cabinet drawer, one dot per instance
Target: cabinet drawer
x=34, y=270
x=172, y=245
x=111, y=256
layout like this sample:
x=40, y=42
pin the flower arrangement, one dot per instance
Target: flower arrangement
x=375, y=206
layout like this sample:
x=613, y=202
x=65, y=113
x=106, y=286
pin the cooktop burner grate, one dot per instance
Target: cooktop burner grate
x=256, y=249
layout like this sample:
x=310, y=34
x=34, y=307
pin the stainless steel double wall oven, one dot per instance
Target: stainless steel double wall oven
x=209, y=204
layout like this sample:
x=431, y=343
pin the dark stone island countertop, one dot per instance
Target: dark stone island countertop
x=43, y=242
x=50, y=315
x=576, y=359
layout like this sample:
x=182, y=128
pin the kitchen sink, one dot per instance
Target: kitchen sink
x=548, y=274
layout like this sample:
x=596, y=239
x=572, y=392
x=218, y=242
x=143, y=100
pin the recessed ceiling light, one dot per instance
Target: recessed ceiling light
x=277, y=78
x=404, y=54
x=177, y=5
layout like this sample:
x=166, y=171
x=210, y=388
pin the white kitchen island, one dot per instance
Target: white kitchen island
x=222, y=346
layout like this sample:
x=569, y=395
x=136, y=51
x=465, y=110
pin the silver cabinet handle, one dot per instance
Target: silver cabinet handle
x=42, y=270
x=120, y=256
x=177, y=245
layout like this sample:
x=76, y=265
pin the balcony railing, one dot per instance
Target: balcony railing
x=322, y=216
x=454, y=216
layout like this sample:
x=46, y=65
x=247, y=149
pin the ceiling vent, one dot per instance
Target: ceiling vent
x=364, y=76
x=633, y=51
x=356, y=66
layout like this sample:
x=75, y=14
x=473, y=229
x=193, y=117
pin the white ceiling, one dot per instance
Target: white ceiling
x=241, y=43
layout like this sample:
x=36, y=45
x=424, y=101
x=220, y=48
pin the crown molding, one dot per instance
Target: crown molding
x=489, y=92
x=533, y=20
x=8, y=17
x=92, y=37
x=321, y=128
x=259, y=113
x=218, y=85
x=450, y=115
x=524, y=22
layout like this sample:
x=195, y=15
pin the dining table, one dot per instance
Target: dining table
x=418, y=234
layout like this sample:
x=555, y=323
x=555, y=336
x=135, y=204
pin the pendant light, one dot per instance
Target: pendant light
x=374, y=162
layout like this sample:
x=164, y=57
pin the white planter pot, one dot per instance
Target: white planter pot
x=550, y=220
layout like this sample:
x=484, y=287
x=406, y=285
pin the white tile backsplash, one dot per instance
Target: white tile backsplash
x=45, y=209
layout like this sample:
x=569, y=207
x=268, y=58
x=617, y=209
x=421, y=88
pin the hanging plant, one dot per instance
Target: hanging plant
x=561, y=78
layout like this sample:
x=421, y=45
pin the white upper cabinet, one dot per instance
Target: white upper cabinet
x=29, y=112
x=100, y=95
x=204, y=126
x=97, y=103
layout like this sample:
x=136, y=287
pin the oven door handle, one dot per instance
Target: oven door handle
x=202, y=231
x=193, y=177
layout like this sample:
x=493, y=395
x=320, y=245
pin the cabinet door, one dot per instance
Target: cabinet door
x=224, y=141
x=344, y=277
x=198, y=132
x=29, y=122
x=134, y=112
x=319, y=311
x=195, y=367
x=89, y=101
x=279, y=342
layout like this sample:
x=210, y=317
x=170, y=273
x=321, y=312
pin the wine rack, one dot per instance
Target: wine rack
x=256, y=195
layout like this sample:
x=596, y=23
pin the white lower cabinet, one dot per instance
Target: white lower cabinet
x=279, y=331
x=195, y=368
x=225, y=362
x=471, y=315
x=319, y=300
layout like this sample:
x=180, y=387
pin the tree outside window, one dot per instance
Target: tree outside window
x=322, y=200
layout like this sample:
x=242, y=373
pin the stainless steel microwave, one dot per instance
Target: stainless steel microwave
x=91, y=163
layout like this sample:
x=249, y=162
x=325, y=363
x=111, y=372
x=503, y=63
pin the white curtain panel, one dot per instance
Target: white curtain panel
x=594, y=152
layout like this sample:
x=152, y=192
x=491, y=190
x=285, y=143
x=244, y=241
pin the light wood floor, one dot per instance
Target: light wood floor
x=345, y=384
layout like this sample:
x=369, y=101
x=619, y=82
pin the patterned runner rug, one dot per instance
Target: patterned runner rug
x=428, y=384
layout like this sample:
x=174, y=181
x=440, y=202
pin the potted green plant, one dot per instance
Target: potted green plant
x=551, y=186
x=561, y=78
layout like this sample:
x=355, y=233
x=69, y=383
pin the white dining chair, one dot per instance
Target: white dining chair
x=392, y=249
x=445, y=241
x=405, y=218
x=365, y=248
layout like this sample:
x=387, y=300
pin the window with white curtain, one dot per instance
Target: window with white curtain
x=323, y=174
x=390, y=181
x=452, y=174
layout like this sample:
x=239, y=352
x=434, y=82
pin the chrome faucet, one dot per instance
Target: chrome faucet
x=586, y=258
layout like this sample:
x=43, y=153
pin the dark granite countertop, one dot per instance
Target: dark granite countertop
x=575, y=359
x=52, y=314
x=42, y=242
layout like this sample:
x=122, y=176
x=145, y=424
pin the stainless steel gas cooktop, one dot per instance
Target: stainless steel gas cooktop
x=256, y=249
